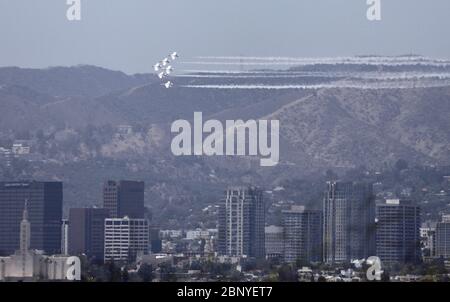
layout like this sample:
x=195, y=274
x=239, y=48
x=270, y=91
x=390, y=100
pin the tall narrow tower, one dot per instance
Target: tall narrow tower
x=25, y=231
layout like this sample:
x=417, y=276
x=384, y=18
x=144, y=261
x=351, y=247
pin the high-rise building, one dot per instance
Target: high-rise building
x=241, y=223
x=274, y=238
x=398, y=231
x=124, y=198
x=428, y=239
x=302, y=235
x=126, y=238
x=65, y=237
x=87, y=232
x=45, y=200
x=348, y=222
x=443, y=237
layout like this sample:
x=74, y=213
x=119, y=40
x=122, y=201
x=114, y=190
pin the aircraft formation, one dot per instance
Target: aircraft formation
x=163, y=68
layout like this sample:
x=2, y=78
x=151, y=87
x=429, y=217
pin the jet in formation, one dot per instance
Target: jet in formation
x=163, y=68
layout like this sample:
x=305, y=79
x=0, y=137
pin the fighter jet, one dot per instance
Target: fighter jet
x=174, y=56
x=165, y=62
x=157, y=66
x=163, y=68
x=168, y=70
x=168, y=84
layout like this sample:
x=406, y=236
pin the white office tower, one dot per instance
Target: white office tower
x=125, y=238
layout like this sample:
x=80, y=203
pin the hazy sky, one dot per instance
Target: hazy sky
x=129, y=35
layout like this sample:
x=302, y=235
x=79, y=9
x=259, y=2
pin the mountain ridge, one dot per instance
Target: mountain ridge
x=342, y=127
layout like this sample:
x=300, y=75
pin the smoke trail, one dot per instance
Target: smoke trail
x=241, y=63
x=305, y=63
x=360, y=59
x=195, y=72
x=411, y=75
x=366, y=60
x=231, y=76
x=387, y=85
x=287, y=75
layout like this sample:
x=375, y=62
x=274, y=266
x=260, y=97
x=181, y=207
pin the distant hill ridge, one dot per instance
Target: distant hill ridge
x=342, y=127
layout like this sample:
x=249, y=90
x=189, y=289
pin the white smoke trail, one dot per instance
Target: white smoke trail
x=376, y=79
x=367, y=86
x=356, y=75
x=298, y=63
x=232, y=76
x=195, y=72
x=243, y=63
x=366, y=60
x=361, y=59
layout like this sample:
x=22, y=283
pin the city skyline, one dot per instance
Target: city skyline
x=297, y=239
x=212, y=149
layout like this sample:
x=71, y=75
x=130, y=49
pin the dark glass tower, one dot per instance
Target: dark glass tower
x=124, y=198
x=45, y=201
x=398, y=231
x=87, y=232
